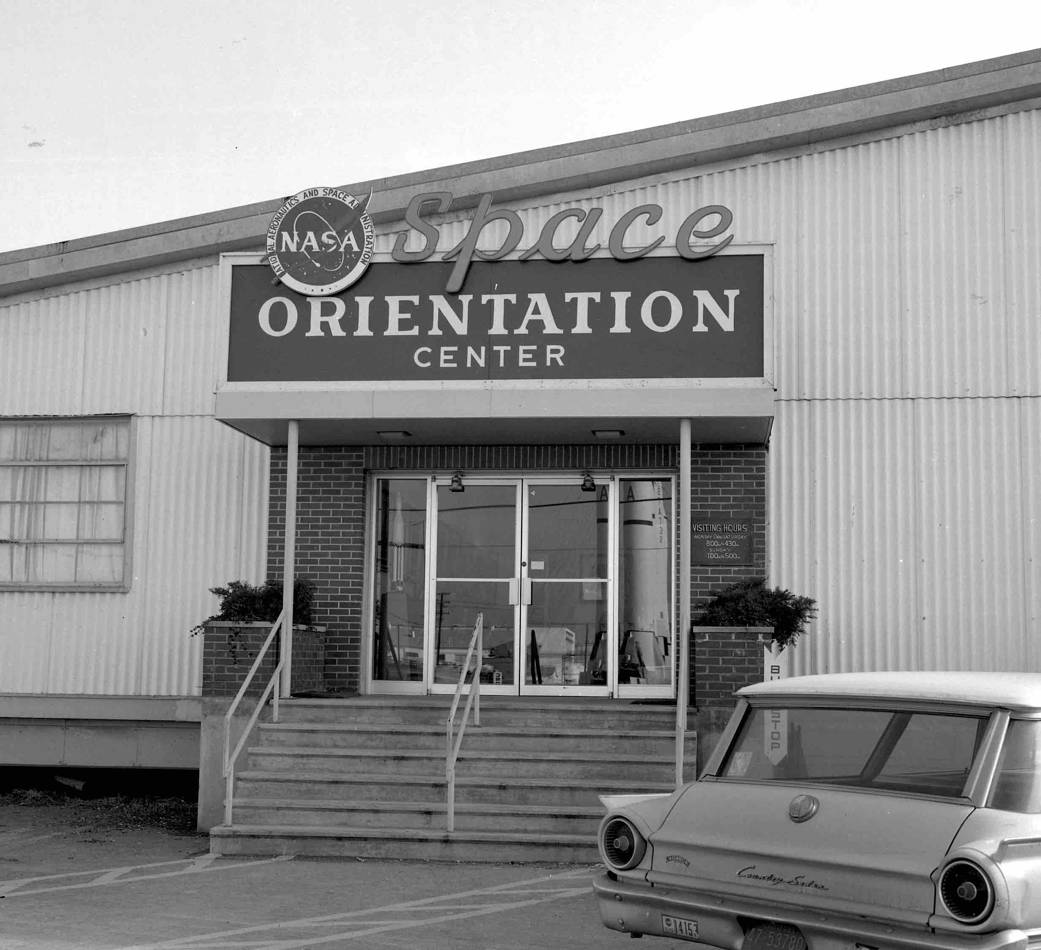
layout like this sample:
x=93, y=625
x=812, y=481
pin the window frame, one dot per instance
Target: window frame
x=128, y=466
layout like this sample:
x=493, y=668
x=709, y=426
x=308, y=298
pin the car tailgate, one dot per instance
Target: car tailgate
x=863, y=853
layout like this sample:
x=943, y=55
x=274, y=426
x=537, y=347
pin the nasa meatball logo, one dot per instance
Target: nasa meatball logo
x=320, y=241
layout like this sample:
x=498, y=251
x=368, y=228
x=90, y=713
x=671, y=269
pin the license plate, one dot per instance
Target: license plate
x=679, y=927
x=774, y=937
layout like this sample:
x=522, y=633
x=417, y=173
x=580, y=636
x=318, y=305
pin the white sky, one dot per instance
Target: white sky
x=119, y=113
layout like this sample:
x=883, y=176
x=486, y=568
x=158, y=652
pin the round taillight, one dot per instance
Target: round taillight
x=623, y=845
x=966, y=892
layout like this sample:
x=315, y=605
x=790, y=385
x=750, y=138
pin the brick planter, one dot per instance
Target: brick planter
x=229, y=649
x=723, y=659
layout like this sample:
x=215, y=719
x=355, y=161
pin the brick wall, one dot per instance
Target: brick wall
x=723, y=659
x=729, y=480
x=229, y=650
x=330, y=548
x=330, y=545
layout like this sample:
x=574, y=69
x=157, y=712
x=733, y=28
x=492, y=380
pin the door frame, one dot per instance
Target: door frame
x=430, y=607
x=427, y=686
x=609, y=643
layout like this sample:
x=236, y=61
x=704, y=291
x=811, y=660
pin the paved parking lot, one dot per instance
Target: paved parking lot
x=72, y=884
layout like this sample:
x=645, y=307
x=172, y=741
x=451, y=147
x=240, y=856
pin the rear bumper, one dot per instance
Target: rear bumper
x=637, y=908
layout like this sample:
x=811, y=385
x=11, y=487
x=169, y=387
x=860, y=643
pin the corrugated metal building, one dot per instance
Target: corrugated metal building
x=898, y=227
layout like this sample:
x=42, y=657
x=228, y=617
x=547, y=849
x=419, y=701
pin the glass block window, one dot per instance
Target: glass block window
x=63, y=502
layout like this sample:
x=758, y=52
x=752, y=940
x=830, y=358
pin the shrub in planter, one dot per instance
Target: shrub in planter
x=242, y=602
x=752, y=604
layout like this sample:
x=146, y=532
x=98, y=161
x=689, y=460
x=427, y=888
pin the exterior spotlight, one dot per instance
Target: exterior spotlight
x=456, y=484
x=587, y=482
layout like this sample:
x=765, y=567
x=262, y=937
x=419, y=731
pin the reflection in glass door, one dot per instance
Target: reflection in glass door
x=398, y=654
x=564, y=636
x=475, y=572
x=645, y=585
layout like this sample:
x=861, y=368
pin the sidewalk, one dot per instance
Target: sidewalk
x=72, y=880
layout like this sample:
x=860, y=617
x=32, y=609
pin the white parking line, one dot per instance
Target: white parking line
x=104, y=877
x=353, y=925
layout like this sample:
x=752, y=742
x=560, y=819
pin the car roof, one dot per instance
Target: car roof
x=1006, y=690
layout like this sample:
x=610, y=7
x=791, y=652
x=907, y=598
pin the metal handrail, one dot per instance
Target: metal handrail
x=473, y=699
x=230, y=757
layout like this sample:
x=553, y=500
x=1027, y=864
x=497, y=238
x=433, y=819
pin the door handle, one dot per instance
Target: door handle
x=520, y=591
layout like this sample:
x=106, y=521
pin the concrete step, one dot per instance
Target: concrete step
x=430, y=762
x=323, y=786
x=403, y=844
x=495, y=711
x=481, y=738
x=432, y=815
x=364, y=777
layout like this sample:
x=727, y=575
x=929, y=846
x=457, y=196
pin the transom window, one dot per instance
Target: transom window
x=63, y=502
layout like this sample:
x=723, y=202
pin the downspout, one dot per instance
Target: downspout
x=683, y=686
x=289, y=555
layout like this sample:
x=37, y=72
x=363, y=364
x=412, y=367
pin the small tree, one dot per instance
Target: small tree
x=752, y=604
x=244, y=602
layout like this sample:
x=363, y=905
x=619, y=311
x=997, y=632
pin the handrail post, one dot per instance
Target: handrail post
x=476, y=682
x=683, y=685
x=289, y=554
x=473, y=699
x=230, y=757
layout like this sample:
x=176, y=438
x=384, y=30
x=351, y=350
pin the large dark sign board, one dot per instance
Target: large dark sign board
x=655, y=317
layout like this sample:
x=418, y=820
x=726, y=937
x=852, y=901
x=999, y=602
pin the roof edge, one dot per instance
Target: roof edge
x=584, y=164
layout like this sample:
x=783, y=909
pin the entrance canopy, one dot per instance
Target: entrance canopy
x=457, y=414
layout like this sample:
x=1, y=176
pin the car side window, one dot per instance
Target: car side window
x=933, y=754
x=1017, y=784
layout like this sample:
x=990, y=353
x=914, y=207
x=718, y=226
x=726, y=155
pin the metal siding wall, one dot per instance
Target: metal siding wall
x=194, y=341
x=847, y=300
x=843, y=502
x=206, y=524
x=1030, y=537
x=904, y=458
x=147, y=345
x=971, y=519
x=953, y=252
x=1021, y=201
x=49, y=336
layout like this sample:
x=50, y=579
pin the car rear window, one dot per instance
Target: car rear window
x=921, y=753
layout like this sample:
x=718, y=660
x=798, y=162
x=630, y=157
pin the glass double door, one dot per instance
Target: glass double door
x=531, y=556
x=573, y=581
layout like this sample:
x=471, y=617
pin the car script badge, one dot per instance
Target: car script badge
x=803, y=808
